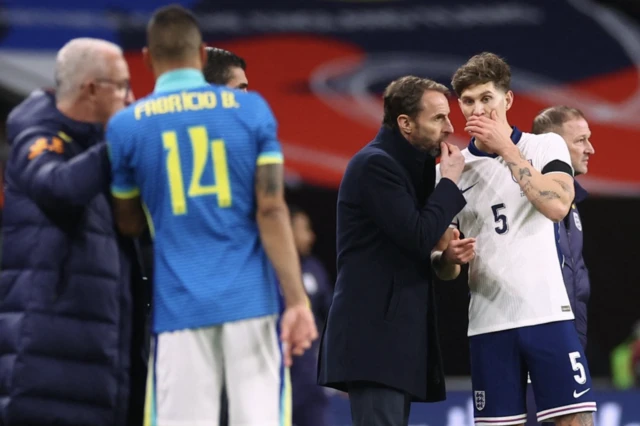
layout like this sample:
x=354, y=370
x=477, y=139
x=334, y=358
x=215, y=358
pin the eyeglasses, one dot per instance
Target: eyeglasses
x=124, y=85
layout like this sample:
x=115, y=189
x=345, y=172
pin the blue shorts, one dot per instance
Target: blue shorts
x=551, y=353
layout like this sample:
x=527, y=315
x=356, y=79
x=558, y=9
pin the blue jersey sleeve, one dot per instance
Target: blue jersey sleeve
x=121, y=147
x=269, y=150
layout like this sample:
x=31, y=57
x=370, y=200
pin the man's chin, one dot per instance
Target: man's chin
x=436, y=151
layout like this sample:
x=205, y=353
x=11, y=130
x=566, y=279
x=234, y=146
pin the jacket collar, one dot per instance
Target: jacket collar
x=395, y=144
x=82, y=132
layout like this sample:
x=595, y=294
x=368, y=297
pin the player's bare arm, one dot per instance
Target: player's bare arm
x=276, y=233
x=551, y=194
x=450, y=253
x=130, y=216
x=298, y=325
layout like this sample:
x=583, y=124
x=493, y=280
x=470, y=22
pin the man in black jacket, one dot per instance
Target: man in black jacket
x=380, y=343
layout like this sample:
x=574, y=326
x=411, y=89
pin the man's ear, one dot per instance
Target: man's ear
x=404, y=123
x=90, y=89
x=203, y=54
x=508, y=97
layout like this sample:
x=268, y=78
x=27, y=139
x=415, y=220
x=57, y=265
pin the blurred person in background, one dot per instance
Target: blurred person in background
x=310, y=401
x=207, y=163
x=66, y=312
x=225, y=69
x=635, y=354
x=625, y=361
x=571, y=124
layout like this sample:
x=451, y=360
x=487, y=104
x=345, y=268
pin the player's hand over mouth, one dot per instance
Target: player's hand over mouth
x=494, y=134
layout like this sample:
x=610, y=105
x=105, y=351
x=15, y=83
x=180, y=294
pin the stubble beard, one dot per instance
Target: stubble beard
x=434, y=148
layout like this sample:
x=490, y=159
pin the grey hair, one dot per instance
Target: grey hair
x=79, y=60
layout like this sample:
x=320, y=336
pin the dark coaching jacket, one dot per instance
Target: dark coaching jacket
x=574, y=270
x=71, y=320
x=382, y=321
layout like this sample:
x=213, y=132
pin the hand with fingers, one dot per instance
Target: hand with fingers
x=494, y=134
x=451, y=162
x=298, y=331
x=459, y=251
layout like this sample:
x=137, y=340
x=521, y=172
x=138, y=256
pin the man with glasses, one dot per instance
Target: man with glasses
x=70, y=335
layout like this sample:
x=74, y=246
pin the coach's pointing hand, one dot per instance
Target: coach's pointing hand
x=451, y=162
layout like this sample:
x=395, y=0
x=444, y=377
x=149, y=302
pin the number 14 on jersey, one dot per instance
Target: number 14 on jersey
x=202, y=150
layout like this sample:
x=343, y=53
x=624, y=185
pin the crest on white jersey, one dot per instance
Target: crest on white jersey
x=576, y=219
x=480, y=399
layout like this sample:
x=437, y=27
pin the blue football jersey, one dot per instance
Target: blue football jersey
x=190, y=150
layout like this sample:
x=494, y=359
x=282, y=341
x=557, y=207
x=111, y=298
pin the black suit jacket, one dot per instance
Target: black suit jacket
x=382, y=322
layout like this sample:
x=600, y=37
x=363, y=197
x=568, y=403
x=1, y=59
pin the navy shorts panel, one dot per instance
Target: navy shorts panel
x=498, y=378
x=553, y=356
x=559, y=370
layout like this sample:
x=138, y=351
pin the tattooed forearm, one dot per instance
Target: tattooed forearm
x=524, y=172
x=269, y=179
x=528, y=189
x=565, y=187
x=550, y=195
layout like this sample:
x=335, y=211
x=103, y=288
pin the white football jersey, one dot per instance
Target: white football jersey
x=515, y=279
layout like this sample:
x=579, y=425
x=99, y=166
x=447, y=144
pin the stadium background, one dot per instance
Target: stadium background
x=322, y=66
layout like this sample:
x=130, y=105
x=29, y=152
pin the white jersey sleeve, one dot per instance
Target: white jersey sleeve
x=551, y=147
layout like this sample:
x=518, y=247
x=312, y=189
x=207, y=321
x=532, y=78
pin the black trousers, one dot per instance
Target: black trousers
x=377, y=405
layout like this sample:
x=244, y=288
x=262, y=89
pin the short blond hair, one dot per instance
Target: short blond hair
x=552, y=119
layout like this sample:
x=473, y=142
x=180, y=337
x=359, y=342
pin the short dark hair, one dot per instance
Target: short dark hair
x=481, y=69
x=217, y=70
x=173, y=34
x=551, y=119
x=403, y=96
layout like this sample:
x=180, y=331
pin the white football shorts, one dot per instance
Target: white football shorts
x=189, y=367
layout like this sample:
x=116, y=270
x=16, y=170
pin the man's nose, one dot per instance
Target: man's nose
x=590, y=149
x=478, y=109
x=449, y=127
